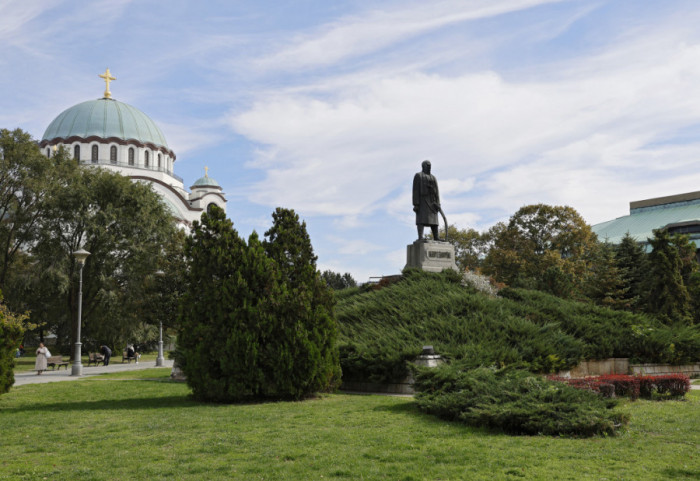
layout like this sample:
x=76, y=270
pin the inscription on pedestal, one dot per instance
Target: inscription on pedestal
x=439, y=255
x=432, y=256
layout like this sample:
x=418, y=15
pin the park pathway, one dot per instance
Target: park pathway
x=31, y=377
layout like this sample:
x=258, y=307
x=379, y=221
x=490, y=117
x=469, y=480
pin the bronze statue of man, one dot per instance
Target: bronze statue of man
x=426, y=200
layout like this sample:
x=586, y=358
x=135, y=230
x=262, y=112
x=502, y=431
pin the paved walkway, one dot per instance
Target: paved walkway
x=30, y=377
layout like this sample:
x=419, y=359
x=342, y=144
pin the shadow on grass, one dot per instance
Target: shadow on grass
x=677, y=473
x=408, y=407
x=160, y=402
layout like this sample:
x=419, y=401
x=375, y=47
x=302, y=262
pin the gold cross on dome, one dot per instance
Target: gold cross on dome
x=206, y=171
x=107, y=77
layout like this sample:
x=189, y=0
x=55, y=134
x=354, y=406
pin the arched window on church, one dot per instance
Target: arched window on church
x=131, y=156
x=113, y=154
x=48, y=151
x=145, y=159
x=95, y=153
x=76, y=153
x=159, y=159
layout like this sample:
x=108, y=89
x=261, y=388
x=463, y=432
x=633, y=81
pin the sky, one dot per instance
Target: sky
x=329, y=108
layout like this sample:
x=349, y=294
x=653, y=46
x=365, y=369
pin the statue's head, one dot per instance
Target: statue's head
x=426, y=166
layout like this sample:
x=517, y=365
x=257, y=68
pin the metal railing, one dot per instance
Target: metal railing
x=128, y=166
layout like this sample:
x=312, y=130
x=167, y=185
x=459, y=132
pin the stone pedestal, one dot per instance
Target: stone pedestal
x=430, y=255
x=428, y=358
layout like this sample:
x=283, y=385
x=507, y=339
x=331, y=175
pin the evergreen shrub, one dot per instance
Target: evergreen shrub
x=11, y=332
x=254, y=324
x=514, y=401
x=381, y=330
x=606, y=332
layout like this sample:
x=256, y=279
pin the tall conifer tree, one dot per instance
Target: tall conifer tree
x=668, y=296
x=631, y=260
x=256, y=320
x=305, y=307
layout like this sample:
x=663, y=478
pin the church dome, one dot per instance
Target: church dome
x=205, y=181
x=105, y=118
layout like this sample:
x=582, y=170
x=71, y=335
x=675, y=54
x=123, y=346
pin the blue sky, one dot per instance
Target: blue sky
x=330, y=107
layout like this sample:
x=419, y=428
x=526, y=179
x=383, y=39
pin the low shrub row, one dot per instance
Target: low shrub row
x=667, y=386
x=514, y=401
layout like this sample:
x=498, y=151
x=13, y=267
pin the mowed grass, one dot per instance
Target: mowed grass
x=129, y=428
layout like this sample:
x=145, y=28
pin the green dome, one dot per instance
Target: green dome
x=105, y=118
x=205, y=181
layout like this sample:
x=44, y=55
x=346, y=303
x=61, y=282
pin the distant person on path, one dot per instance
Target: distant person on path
x=107, y=353
x=426, y=200
x=42, y=356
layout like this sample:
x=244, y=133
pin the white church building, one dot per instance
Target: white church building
x=119, y=137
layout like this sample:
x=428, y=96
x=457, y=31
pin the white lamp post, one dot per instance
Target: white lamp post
x=160, y=360
x=77, y=368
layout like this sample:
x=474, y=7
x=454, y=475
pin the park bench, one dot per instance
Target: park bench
x=56, y=361
x=128, y=359
x=95, y=358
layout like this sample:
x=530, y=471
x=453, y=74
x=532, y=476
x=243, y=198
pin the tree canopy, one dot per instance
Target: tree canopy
x=337, y=281
x=543, y=247
x=123, y=224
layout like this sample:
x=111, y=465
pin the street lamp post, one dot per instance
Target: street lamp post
x=160, y=360
x=77, y=368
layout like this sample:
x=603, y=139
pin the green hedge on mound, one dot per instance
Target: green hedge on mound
x=607, y=332
x=514, y=401
x=381, y=329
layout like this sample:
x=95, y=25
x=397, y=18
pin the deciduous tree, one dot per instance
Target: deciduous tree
x=543, y=247
x=24, y=177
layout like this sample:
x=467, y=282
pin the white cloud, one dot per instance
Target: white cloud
x=185, y=138
x=349, y=246
x=554, y=137
x=379, y=28
x=15, y=15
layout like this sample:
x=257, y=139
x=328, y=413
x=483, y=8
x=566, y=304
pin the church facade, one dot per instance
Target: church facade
x=109, y=134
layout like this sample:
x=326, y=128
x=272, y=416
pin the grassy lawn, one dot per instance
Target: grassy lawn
x=110, y=428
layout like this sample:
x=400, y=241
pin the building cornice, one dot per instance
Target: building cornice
x=108, y=140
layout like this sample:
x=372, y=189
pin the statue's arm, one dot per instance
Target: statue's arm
x=416, y=192
x=437, y=194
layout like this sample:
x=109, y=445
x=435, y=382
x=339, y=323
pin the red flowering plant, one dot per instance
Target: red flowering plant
x=665, y=386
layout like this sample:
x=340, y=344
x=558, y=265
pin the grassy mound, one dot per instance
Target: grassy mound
x=380, y=330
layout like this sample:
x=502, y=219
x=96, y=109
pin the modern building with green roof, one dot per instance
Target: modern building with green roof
x=110, y=134
x=680, y=214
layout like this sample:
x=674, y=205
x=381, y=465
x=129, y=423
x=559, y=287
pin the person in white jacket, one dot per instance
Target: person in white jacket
x=42, y=356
